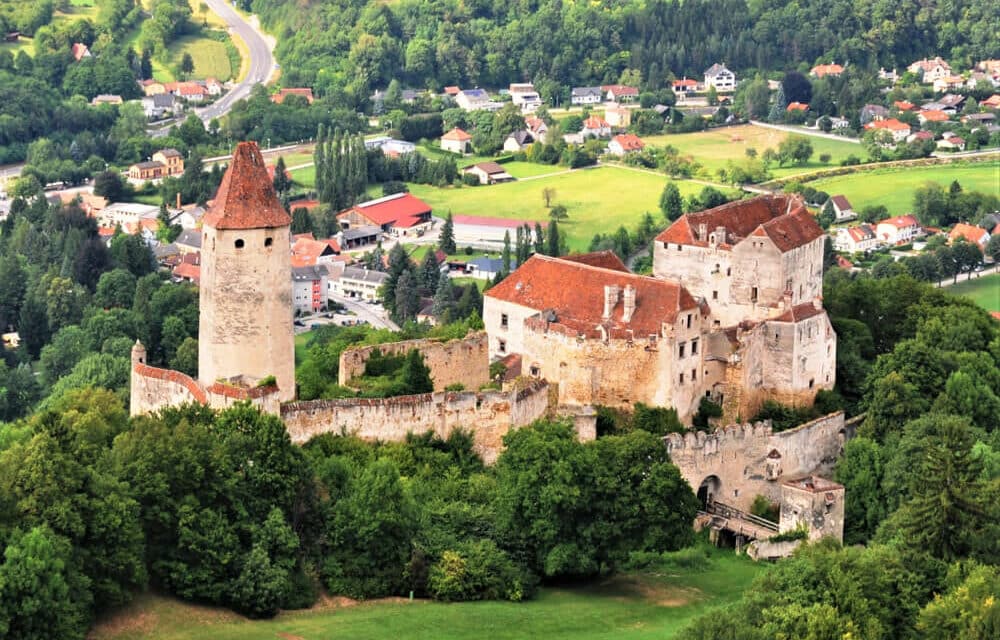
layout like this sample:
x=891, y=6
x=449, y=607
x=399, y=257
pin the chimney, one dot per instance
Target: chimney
x=629, y=299
x=702, y=231
x=610, y=299
x=178, y=199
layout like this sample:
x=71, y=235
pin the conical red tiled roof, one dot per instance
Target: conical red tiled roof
x=246, y=197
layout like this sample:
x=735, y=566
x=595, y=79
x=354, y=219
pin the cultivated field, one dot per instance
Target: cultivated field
x=894, y=187
x=632, y=607
x=985, y=291
x=714, y=148
x=599, y=200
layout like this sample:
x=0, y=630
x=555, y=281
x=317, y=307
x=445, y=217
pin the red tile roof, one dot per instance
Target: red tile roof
x=307, y=251
x=80, y=51
x=620, y=90
x=904, y=105
x=246, y=198
x=821, y=70
x=456, y=134
x=891, y=123
x=686, y=82
x=629, y=142
x=408, y=221
x=901, y=222
x=992, y=102
x=303, y=204
x=933, y=115
x=971, y=233
x=188, y=271
x=593, y=122
x=800, y=312
x=841, y=202
x=844, y=263
x=190, y=89
x=602, y=259
x=797, y=106
x=305, y=92
x=574, y=292
x=391, y=208
x=782, y=218
x=452, y=91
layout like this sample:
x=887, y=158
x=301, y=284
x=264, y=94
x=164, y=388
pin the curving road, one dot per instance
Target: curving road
x=262, y=64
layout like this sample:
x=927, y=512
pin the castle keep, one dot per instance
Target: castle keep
x=733, y=313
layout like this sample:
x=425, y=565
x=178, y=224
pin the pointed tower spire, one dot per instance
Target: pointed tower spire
x=246, y=197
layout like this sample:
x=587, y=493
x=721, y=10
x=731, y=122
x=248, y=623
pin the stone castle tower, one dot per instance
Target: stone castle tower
x=245, y=331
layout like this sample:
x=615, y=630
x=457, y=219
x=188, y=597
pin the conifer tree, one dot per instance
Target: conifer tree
x=444, y=300
x=319, y=159
x=399, y=263
x=539, y=239
x=447, y=239
x=407, y=297
x=777, y=113
x=552, y=243
x=430, y=273
x=506, y=252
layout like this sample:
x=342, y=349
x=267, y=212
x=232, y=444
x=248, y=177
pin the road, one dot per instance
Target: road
x=367, y=312
x=262, y=64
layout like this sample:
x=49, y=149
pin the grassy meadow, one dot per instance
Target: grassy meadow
x=894, y=188
x=714, y=148
x=635, y=606
x=598, y=200
x=210, y=57
x=984, y=291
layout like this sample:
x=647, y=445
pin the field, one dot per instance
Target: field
x=714, y=148
x=985, y=291
x=632, y=607
x=211, y=59
x=599, y=200
x=894, y=187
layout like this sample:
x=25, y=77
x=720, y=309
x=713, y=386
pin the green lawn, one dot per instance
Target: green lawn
x=301, y=344
x=599, y=200
x=985, y=291
x=633, y=607
x=714, y=148
x=211, y=59
x=304, y=177
x=894, y=187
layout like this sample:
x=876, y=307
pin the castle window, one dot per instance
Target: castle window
x=694, y=374
x=680, y=248
x=503, y=320
x=680, y=350
x=716, y=268
x=729, y=271
x=534, y=371
x=239, y=243
x=689, y=321
x=753, y=294
x=812, y=381
x=694, y=347
x=268, y=242
x=502, y=346
x=715, y=295
x=682, y=378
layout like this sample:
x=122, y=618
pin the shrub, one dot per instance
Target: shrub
x=477, y=571
x=764, y=508
x=470, y=180
x=458, y=386
x=798, y=533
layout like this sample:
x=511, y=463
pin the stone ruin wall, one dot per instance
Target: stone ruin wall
x=488, y=415
x=153, y=388
x=738, y=456
x=464, y=361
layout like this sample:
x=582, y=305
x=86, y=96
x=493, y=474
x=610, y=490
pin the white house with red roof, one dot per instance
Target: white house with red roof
x=620, y=93
x=857, y=239
x=595, y=127
x=456, y=141
x=898, y=230
x=899, y=130
x=930, y=69
x=684, y=86
x=624, y=144
x=80, y=51
x=971, y=234
x=401, y=214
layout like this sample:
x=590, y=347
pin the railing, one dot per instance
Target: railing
x=727, y=511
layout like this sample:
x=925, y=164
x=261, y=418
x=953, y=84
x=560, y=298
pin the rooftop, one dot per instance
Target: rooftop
x=571, y=293
x=784, y=219
x=246, y=198
x=484, y=221
x=389, y=209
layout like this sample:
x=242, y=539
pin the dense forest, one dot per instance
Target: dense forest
x=357, y=46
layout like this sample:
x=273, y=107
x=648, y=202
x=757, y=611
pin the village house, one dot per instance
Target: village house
x=164, y=163
x=684, y=86
x=158, y=105
x=476, y=100
x=456, y=141
x=537, y=128
x=748, y=329
x=920, y=136
x=213, y=87
x=620, y=93
x=524, y=96
x=720, y=77
x=190, y=91
x=309, y=288
x=842, y=209
x=188, y=269
x=488, y=173
x=358, y=283
x=624, y=144
x=517, y=141
x=930, y=70
x=797, y=106
x=904, y=105
x=390, y=146
x=899, y=130
x=79, y=51
x=823, y=70
x=586, y=95
x=618, y=116
x=971, y=234
x=951, y=102
x=950, y=142
x=401, y=214
x=307, y=251
x=948, y=83
x=189, y=241
x=974, y=119
x=856, y=239
x=305, y=92
x=595, y=127
x=898, y=230
x=889, y=75
x=484, y=268
x=931, y=115
x=993, y=102
x=487, y=233
x=126, y=213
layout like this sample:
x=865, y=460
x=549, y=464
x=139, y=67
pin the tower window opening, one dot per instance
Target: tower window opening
x=239, y=243
x=268, y=242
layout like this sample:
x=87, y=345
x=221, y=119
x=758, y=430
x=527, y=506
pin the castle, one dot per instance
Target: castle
x=246, y=345
x=733, y=313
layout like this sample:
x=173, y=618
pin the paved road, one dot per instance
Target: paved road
x=367, y=312
x=262, y=64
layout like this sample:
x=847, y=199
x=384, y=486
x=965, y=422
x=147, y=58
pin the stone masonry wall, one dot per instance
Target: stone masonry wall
x=738, y=456
x=153, y=388
x=489, y=415
x=464, y=361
